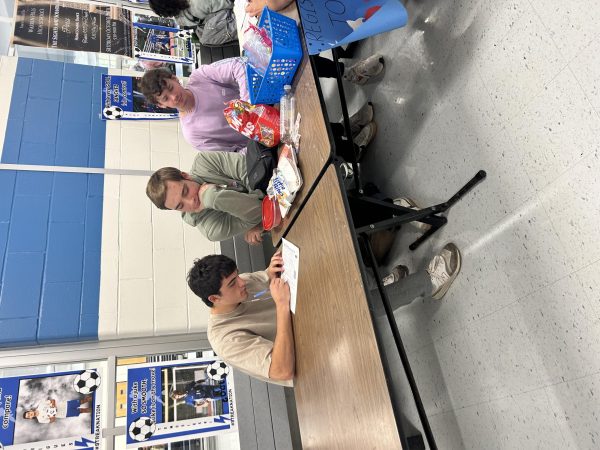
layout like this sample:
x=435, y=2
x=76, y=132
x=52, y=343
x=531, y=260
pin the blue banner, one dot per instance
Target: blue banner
x=122, y=99
x=52, y=410
x=9, y=393
x=144, y=391
x=333, y=23
x=171, y=401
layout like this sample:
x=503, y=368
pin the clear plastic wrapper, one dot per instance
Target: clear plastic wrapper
x=258, y=47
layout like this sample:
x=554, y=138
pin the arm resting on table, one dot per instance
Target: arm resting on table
x=283, y=355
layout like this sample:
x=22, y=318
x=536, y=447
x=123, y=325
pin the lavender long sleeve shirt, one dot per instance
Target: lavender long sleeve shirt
x=213, y=85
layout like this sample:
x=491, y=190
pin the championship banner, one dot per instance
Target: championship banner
x=333, y=23
x=47, y=411
x=174, y=401
x=122, y=99
x=160, y=43
x=73, y=26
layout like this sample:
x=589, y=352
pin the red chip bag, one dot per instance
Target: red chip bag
x=257, y=122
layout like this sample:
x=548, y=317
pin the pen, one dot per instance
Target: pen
x=258, y=294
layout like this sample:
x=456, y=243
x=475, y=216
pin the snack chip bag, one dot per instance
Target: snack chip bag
x=257, y=122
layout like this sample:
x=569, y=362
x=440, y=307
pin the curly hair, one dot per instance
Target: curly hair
x=169, y=8
x=207, y=274
x=156, y=189
x=154, y=82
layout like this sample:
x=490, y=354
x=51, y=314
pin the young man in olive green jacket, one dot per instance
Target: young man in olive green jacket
x=213, y=197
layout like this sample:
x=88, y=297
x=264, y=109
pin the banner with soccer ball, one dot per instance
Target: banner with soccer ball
x=54, y=410
x=122, y=99
x=161, y=43
x=174, y=401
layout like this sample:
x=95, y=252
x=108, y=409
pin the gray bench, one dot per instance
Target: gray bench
x=266, y=412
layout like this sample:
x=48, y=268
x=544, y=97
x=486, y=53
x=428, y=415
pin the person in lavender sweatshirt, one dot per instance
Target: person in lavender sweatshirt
x=201, y=102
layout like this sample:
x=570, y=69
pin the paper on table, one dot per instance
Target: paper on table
x=291, y=265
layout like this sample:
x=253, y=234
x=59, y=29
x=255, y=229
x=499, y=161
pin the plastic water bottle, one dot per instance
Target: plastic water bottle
x=287, y=114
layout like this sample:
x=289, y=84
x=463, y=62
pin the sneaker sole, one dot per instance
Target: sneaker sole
x=363, y=148
x=367, y=78
x=412, y=204
x=444, y=289
x=370, y=117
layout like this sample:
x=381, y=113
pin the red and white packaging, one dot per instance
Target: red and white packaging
x=257, y=122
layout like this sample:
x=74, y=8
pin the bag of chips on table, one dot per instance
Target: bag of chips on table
x=257, y=122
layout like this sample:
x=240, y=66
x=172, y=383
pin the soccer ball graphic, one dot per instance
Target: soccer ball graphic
x=112, y=112
x=137, y=52
x=218, y=371
x=142, y=429
x=87, y=382
x=184, y=34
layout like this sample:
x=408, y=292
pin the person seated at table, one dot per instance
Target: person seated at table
x=202, y=101
x=251, y=328
x=214, y=196
x=188, y=13
x=250, y=325
x=201, y=105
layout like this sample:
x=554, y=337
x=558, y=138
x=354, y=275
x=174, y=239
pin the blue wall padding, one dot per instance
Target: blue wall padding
x=59, y=315
x=69, y=195
x=51, y=222
x=29, y=224
x=64, y=260
x=21, y=285
x=40, y=123
x=7, y=188
x=19, y=331
x=50, y=242
x=57, y=105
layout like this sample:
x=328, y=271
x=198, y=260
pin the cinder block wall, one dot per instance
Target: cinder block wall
x=50, y=222
x=86, y=255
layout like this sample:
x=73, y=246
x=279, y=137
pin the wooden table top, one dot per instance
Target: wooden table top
x=315, y=147
x=341, y=393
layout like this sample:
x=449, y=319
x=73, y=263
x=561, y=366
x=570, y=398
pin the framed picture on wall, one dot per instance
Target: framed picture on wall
x=161, y=43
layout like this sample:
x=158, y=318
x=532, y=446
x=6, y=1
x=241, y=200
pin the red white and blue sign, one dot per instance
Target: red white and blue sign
x=56, y=410
x=173, y=401
x=333, y=23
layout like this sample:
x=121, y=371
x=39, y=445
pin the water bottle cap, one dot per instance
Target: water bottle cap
x=287, y=88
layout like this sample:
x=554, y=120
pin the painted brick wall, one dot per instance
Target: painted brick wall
x=50, y=230
x=53, y=117
x=77, y=239
x=146, y=252
x=50, y=222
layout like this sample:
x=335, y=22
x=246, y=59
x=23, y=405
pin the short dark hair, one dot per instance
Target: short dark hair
x=154, y=82
x=156, y=189
x=207, y=274
x=169, y=8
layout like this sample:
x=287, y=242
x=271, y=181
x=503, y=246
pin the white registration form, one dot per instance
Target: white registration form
x=291, y=265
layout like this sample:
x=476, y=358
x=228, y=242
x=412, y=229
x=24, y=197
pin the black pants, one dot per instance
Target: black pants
x=326, y=67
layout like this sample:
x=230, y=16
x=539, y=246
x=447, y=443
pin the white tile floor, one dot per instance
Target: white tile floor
x=510, y=358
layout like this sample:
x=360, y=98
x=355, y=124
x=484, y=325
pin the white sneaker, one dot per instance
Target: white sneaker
x=408, y=202
x=365, y=70
x=364, y=138
x=443, y=269
x=362, y=117
x=395, y=275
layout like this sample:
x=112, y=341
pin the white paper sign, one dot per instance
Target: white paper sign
x=291, y=265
